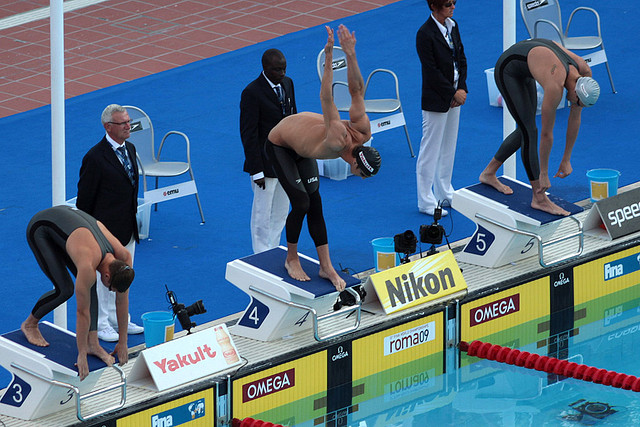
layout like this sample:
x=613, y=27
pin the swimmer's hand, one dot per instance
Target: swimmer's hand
x=564, y=170
x=328, y=48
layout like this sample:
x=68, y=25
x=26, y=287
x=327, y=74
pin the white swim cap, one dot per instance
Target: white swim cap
x=588, y=91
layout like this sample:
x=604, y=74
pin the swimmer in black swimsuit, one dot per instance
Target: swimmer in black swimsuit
x=516, y=73
x=63, y=238
x=298, y=140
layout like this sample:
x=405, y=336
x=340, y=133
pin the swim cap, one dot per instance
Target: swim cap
x=368, y=160
x=588, y=91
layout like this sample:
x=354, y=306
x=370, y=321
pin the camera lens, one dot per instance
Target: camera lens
x=196, y=308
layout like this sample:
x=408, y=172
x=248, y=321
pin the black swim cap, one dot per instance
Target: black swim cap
x=368, y=160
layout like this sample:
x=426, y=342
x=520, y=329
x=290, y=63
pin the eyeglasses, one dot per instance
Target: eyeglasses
x=128, y=122
x=450, y=3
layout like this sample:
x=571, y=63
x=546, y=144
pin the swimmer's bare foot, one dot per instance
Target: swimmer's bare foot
x=549, y=207
x=492, y=180
x=33, y=335
x=334, y=277
x=295, y=270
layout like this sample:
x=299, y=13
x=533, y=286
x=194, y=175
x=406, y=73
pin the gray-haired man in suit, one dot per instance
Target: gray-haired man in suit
x=108, y=191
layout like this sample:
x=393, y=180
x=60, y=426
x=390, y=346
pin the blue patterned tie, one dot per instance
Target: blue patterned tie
x=122, y=154
x=280, y=94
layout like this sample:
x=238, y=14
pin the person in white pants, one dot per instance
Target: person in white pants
x=444, y=90
x=263, y=103
x=268, y=214
x=108, y=191
x=107, y=321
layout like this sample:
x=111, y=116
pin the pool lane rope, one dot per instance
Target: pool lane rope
x=250, y=422
x=551, y=365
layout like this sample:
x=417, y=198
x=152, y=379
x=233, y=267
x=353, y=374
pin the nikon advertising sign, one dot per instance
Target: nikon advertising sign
x=417, y=282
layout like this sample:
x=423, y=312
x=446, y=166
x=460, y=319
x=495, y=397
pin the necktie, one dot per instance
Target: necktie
x=453, y=53
x=122, y=154
x=280, y=94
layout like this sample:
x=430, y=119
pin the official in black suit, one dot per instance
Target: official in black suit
x=444, y=90
x=108, y=191
x=263, y=103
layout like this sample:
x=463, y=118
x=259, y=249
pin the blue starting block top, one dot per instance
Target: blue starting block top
x=520, y=200
x=62, y=348
x=272, y=261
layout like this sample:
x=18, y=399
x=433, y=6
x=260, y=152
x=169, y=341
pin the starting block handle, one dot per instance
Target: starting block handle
x=316, y=319
x=122, y=385
x=541, y=245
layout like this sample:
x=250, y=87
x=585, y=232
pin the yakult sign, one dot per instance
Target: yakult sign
x=184, y=359
x=494, y=310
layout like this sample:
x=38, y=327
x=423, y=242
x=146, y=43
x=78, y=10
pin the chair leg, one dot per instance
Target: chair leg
x=200, y=208
x=613, y=88
x=197, y=196
x=406, y=132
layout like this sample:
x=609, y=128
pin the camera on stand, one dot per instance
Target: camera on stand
x=184, y=313
x=432, y=234
x=345, y=298
x=405, y=243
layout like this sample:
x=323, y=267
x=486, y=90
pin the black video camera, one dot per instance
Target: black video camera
x=346, y=298
x=431, y=233
x=184, y=313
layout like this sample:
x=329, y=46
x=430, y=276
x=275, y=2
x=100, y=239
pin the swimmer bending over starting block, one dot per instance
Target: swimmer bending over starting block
x=516, y=73
x=298, y=140
x=63, y=238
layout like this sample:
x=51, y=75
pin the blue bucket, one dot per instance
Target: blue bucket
x=158, y=327
x=603, y=183
x=384, y=254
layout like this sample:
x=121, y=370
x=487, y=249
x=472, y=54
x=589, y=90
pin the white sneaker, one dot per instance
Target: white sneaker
x=134, y=329
x=108, y=334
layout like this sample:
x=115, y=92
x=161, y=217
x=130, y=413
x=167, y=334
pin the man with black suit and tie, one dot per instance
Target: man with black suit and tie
x=108, y=191
x=264, y=102
x=444, y=90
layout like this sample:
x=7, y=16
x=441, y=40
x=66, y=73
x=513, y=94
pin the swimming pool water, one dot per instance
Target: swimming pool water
x=488, y=393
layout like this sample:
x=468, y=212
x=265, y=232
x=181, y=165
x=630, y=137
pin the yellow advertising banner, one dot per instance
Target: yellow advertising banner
x=406, y=343
x=427, y=279
x=280, y=385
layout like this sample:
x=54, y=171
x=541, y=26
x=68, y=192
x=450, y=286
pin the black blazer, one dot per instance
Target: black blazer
x=436, y=59
x=105, y=191
x=260, y=111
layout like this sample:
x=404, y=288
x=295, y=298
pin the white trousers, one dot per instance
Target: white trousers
x=434, y=166
x=107, y=298
x=268, y=214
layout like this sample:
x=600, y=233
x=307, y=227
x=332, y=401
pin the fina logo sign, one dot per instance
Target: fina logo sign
x=494, y=310
x=179, y=415
x=621, y=267
x=271, y=384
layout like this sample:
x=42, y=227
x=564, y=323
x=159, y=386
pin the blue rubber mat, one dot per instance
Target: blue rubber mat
x=520, y=200
x=272, y=261
x=62, y=347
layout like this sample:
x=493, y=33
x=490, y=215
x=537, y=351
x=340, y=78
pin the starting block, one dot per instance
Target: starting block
x=45, y=379
x=280, y=305
x=508, y=229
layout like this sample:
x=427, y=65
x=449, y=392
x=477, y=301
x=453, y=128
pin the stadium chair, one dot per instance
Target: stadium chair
x=543, y=20
x=342, y=99
x=142, y=136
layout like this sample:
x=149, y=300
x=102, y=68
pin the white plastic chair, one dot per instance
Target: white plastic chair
x=543, y=20
x=149, y=164
x=342, y=99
